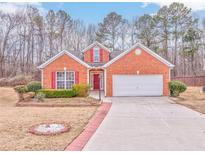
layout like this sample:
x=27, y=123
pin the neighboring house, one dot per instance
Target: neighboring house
x=135, y=72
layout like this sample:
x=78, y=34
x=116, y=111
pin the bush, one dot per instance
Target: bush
x=40, y=97
x=21, y=89
x=60, y=93
x=176, y=87
x=34, y=86
x=81, y=90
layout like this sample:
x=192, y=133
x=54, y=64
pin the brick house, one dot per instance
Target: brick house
x=135, y=72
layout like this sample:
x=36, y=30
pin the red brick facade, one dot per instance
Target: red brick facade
x=131, y=63
x=88, y=55
x=58, y=65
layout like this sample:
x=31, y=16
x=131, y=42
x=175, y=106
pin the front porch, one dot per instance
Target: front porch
x=96, y=79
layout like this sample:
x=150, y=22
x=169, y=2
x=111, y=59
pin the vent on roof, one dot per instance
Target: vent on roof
x=138, y=51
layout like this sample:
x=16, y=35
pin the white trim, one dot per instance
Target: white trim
x=56, y=79
x=65, y=72
x=60, y=54
x=41, y=78
x=169, y=74
x=96, y=44
x=92, y=80
x=105, y=82
x=102, y=81
x=88, y=76
x=169, y=80
x=152, y=53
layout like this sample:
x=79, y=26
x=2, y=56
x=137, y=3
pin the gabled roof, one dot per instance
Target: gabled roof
x=152, y=53
x=60, y=54
x=96, y=44
x=114, y=54
x=99, y=64
x=76, y=53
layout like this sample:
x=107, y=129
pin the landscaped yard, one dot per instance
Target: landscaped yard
x=192, y=98
x=15, y=121
x=62, y=102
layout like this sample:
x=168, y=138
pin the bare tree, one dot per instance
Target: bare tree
x=28, y=38
x=109, y=29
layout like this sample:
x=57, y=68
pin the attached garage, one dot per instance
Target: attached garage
x=137, y=85
x=137, y=72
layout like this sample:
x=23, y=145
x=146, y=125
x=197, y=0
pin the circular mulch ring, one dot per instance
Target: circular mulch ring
x=53, y=128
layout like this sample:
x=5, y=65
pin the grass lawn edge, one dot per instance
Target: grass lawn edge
x=81, y=140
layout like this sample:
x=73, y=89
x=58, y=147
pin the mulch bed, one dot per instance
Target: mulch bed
x=61, y=102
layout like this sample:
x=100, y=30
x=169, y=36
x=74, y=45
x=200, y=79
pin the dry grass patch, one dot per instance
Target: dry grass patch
x=58, y=102
x=15, y=122
x=192, y=98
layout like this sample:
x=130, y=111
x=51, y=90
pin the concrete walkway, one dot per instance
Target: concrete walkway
x=95, y=94
x=149, y=124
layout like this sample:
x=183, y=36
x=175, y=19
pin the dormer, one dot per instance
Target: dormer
x=96, y=53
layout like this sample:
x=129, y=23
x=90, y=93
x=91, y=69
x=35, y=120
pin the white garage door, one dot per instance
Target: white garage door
x=137, y=85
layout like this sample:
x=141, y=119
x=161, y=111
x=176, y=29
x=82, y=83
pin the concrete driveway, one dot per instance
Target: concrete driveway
x=156, y=123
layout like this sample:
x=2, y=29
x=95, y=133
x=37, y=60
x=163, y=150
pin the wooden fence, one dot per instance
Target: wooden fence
x=191, y=80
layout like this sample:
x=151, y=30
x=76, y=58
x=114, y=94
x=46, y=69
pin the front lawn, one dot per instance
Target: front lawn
x=192, y=98
x=15, y=121
x=62, y=102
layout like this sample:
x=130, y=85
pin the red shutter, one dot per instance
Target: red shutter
x=53, y=80
x=76, y=77
x=101, y=55
x=91, y=55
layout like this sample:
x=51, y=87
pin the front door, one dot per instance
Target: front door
x=96, y=81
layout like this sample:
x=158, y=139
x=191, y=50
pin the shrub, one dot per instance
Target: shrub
x=60, y=93
x=176, y=87
x=34, y=86
x=81, y=90
x=21, y=89
x=40, y=97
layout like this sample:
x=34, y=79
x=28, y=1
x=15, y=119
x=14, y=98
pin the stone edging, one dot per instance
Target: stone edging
x=78, y=143
x=33, y=131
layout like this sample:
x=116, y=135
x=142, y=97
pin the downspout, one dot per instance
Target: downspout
x=105, y=81
x=88, y=76
x=42, y=78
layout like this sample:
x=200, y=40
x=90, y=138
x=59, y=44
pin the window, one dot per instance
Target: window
x=69, y=80
x=60, y=80
x=65, y=80
x=96, y=54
